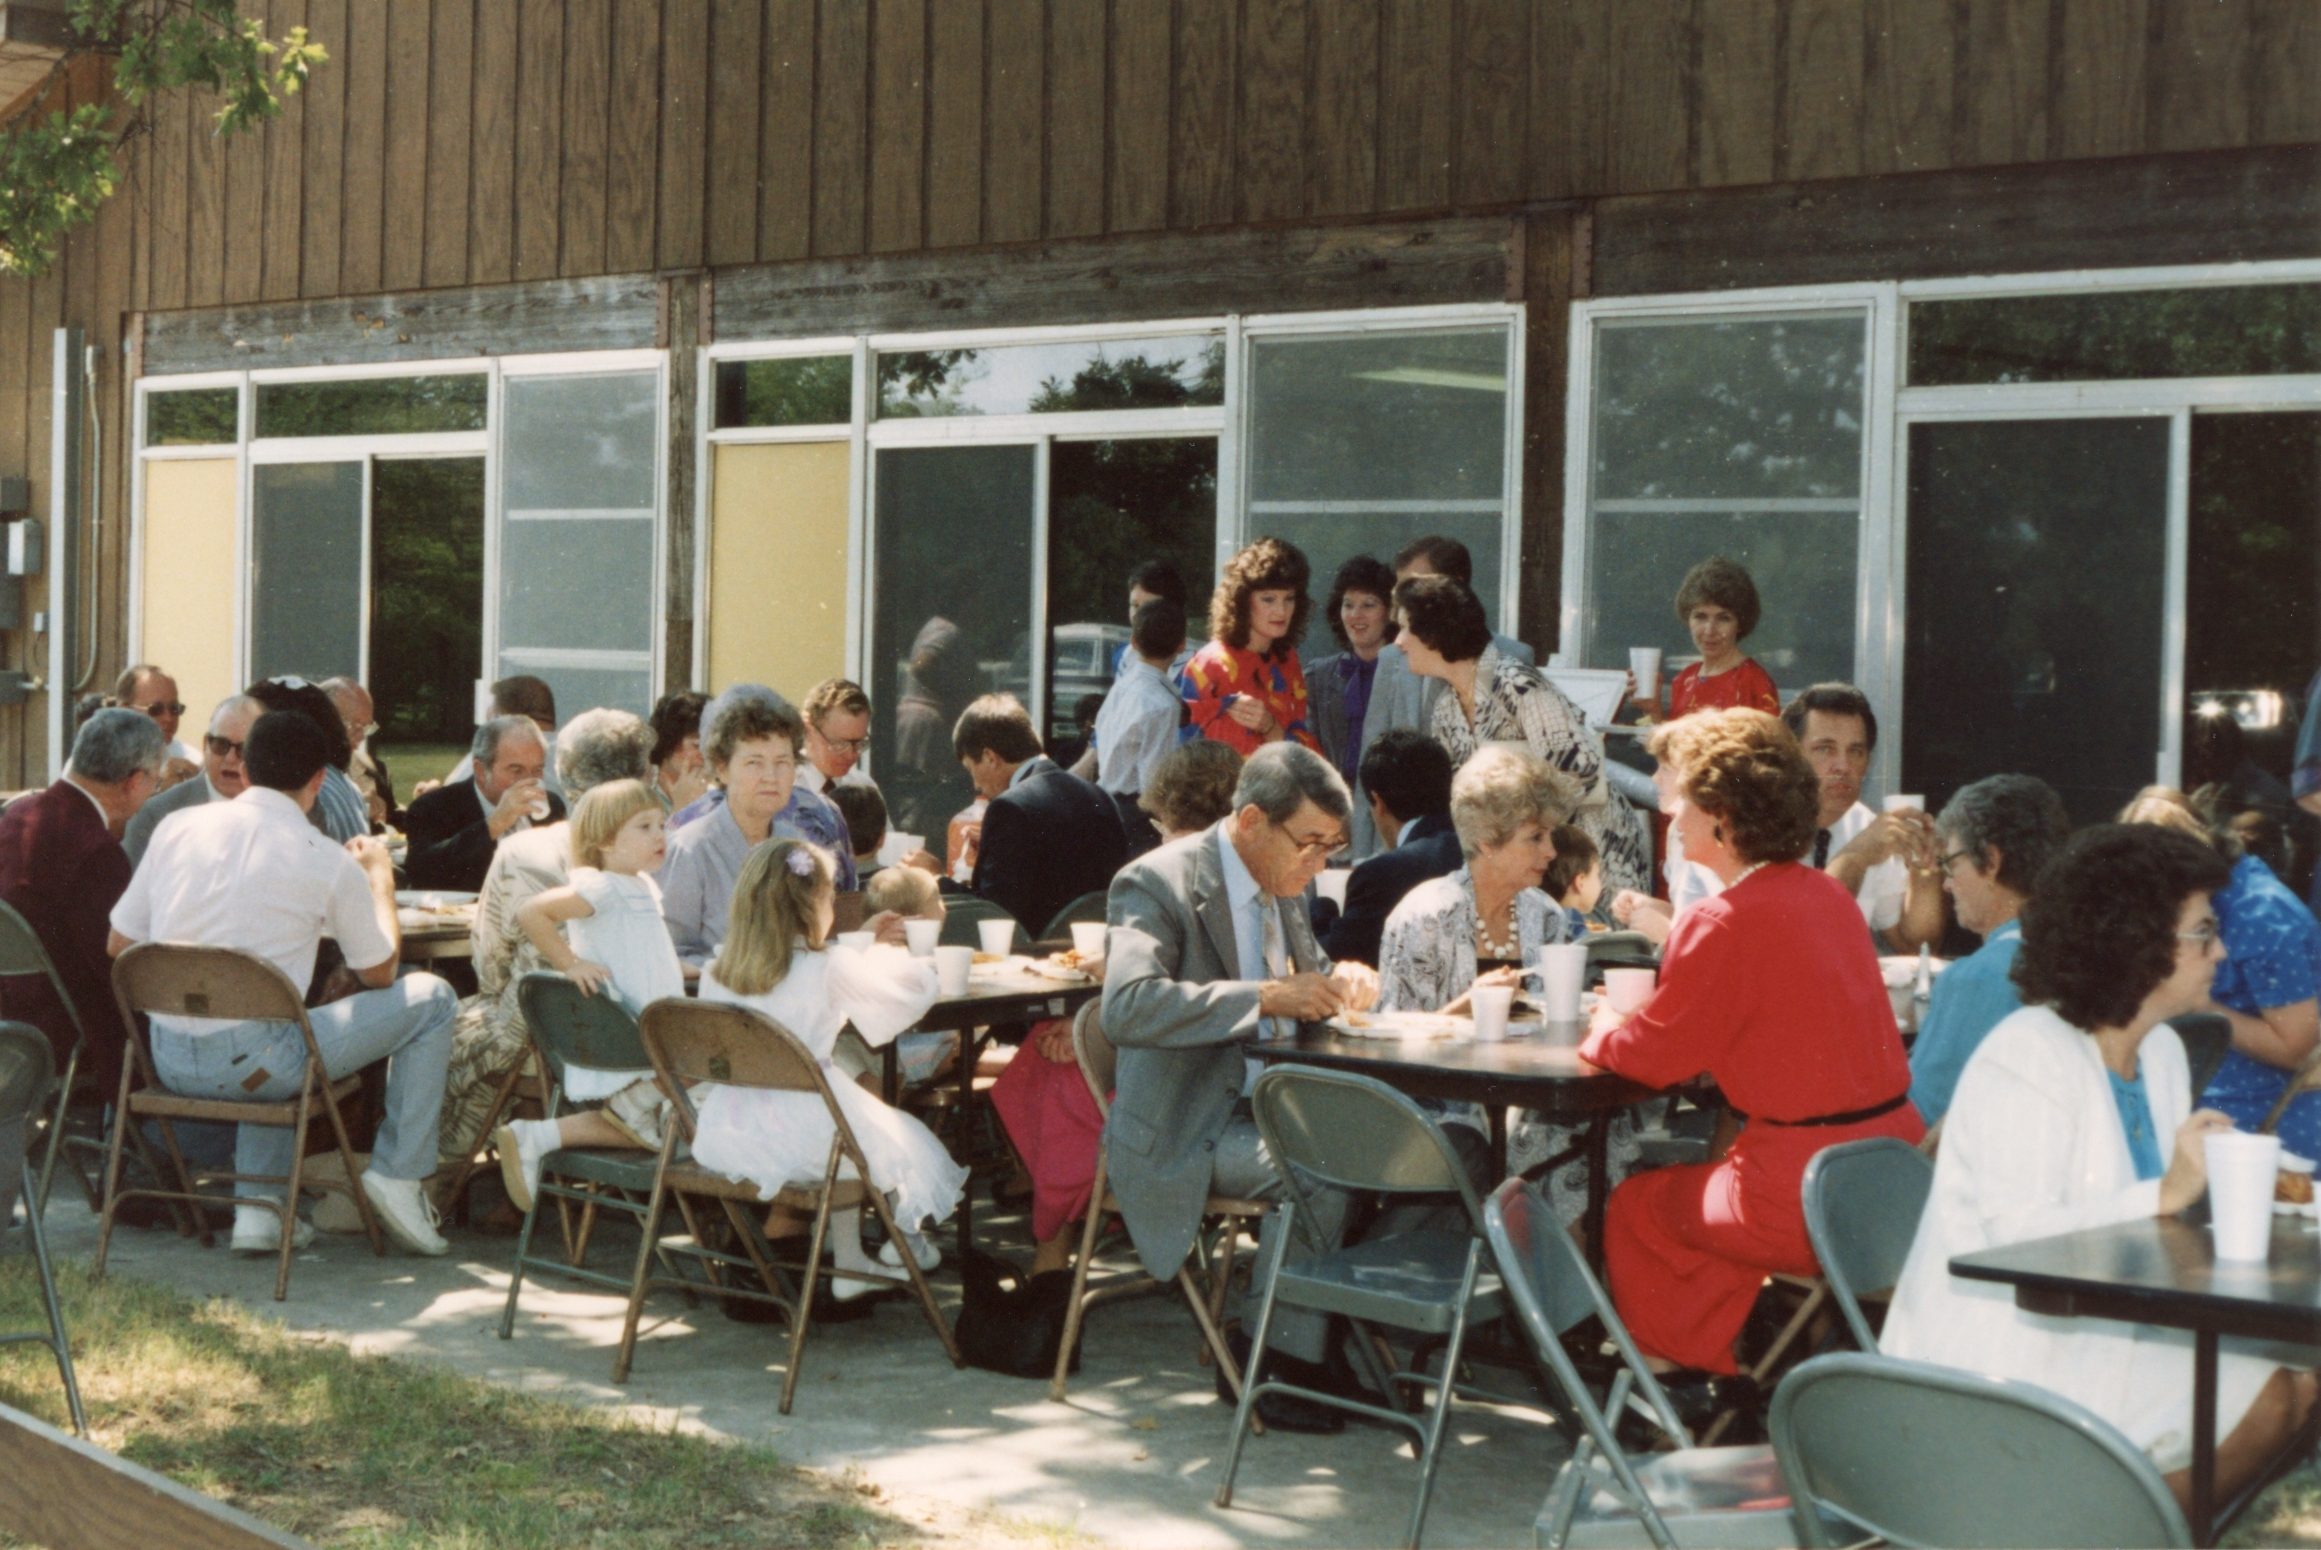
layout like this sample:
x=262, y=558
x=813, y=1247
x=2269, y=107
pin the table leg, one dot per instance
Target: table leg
x=2204, y=1437
x=890, y=1074
x=1599, y=1188
x=966, y=1063
x=1496, y=1115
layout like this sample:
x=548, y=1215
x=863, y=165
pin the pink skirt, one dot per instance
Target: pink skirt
x=1052, y=1120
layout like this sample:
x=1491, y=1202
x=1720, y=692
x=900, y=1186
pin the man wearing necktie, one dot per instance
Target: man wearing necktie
x=1210, y=947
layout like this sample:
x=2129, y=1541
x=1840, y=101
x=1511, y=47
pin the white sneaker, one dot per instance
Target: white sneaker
x=259, y=1231
x=928, y=1256
x=522, y=1145
x=406, y=1213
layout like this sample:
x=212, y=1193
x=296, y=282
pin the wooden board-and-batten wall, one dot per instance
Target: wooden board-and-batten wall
x=457, y=145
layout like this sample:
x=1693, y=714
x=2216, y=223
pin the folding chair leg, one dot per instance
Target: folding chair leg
x=1431, y=1443
x=318, y=1083
x=1806, y=1311
x=64, y=1099
x=1269, y=1262
x=503, y=1098
x=1213, y=1343
x=805, y=1309
x=58, y=1343
x=516, y=1278
x=894, y=1232
x=636, y=1308
x=1076, y=1311
x=122, y=1121
x=200, y=1221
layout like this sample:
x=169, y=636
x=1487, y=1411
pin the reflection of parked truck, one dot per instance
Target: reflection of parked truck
x=1079, y=663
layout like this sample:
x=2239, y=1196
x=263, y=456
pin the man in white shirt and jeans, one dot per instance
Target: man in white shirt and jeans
x=253, y=875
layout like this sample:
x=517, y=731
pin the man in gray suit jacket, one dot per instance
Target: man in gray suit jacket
x=221, y=778
x=1398, y=696
x=1210, y=942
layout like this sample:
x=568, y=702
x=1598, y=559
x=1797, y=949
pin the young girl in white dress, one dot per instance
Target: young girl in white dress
x=777, y=959
x=603, y=931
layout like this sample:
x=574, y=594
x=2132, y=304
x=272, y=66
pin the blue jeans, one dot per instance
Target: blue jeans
x=408, y=1024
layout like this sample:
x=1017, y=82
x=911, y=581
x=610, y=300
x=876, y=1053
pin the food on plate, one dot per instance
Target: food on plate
x=990, y=958
x=2293, y=1188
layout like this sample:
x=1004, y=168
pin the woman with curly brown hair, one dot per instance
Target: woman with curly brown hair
x=2077, y=1112
x=1773, y=990
x=1717, y=601
x=1245, y=688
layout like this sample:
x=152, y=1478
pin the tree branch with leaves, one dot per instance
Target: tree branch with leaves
x=57, y=168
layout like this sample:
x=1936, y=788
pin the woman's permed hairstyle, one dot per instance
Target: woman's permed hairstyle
x=777, y=903
x=599, y=815
x=1726, y=584
x=1744, y=769
x=1192, y=787
x=1499, y=790
x=1359, y=574
x=2099, y=931
x=750, y=719
x=1267, y=565
x=1444, y=615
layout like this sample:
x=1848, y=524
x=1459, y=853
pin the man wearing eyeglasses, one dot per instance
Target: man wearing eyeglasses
x=1210, y=946
x=152, y=692
x=222, y=775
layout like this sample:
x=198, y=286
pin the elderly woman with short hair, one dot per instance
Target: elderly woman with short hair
x=597, y=748
x=1496, y=699
x=2077, y=1113
x=1485, y=922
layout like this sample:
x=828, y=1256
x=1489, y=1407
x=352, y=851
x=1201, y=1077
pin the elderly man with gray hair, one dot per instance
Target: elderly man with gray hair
x=1210, y=947
x=595, y=749
x=455, y=828
x=222, y=776
x=62, y=868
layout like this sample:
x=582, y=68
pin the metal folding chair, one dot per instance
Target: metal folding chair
x=27, y=1073
x=1913, y=1454
x=1229, y=1215
x=21, y=953
x=519, y=1084
x=1085, y=910
x=1352, y=1133
x=1863, y=1200
x=963, y=917
x=1601, y=1498
x=219, y=983
x=733, y=1046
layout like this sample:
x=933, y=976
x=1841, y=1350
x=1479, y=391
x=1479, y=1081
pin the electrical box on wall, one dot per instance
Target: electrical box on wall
x=15, y=496
x=26, y=547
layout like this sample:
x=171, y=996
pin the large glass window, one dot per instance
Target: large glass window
x=306, y=576
x=579, y=476
x=373, y=406
x=2102, y=336
x=1180, y=372
x=786, y=390
x=1740, y=437
x=427, y=608
x=1360, y=443
x=193, y=417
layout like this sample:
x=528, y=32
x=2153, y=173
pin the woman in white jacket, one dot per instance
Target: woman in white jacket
x=2074, y=1113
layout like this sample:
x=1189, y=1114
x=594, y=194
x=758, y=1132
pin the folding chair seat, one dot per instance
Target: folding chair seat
x=1913, y=1454
x=228, y=986
x=1352, y=1133
x=692, y=1043
x=27, y=1073
x=21, y=953
x=1863, y=1200
x=1229, y=1215
x=1601, y=1498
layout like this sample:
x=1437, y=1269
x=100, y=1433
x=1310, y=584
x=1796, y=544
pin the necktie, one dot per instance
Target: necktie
x=1269, y=933
x=1820, y=849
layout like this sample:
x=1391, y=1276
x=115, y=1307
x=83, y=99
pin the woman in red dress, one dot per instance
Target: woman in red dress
x=1245, y=688
x=1718, y=604
x=1772, y=989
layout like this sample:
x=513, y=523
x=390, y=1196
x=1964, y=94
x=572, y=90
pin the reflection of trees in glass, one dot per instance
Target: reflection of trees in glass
x=1379, y=417
x=193, y=417
x=915, y=384
x=427, y=568
x=1760, y=408
x=2208, y=331
x=2253, y=582
x=800, y=390
x=372, y=406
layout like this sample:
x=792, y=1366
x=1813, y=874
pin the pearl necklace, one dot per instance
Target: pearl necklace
x=1507, y=951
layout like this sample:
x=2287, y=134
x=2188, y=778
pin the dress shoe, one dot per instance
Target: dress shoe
x=1280, y=1412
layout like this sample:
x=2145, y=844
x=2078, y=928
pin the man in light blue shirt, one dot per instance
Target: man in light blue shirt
x=1137, y=727
x=1994, y=838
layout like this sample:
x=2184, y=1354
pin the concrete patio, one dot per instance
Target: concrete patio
x=1132, y=1458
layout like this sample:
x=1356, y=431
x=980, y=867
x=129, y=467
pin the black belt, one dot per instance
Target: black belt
x=1849, y=1117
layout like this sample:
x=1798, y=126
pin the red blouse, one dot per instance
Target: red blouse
x=1218, y=672
x=1746, y=687
x=1773, y=989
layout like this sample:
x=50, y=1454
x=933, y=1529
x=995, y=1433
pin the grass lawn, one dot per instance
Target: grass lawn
x=363, y=1451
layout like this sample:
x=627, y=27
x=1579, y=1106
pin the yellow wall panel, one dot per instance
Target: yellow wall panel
x=778, y=565
x=187, y=557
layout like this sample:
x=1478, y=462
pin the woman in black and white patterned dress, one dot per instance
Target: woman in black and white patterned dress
x=1495, y=699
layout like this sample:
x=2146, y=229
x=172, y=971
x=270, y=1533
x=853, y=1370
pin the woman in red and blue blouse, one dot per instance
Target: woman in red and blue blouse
x=1245, y=687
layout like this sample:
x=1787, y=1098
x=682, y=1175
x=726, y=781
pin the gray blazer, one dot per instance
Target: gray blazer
x=1177, y=1007
x=192, y=791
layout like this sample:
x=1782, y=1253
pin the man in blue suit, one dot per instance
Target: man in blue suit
x=1406, y=777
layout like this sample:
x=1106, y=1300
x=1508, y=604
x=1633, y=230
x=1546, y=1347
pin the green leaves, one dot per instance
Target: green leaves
x=56, y=169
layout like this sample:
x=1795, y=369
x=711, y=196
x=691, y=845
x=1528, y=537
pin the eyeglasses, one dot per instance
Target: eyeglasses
x=223, y=747
x=853, y=745
x=2204, y=936
x=161, y=708
x=1957, y=856
x=1308, y=849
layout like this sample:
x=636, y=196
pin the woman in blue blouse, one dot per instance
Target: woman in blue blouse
x=2268, y=987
